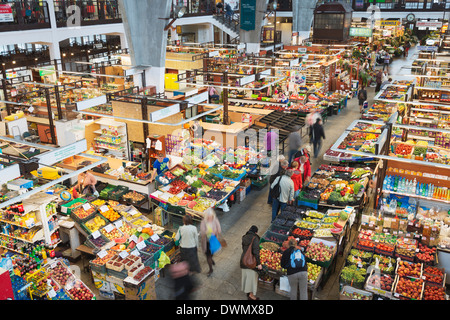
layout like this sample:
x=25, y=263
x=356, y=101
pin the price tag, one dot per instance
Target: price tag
x=154, y=237
x=433, y=229
x=123, y=254
x=417, y=250
x=86, y=206
x=396, y=295
x=134, y=212
x=69, y=286
x=311, y=281
x=424, y=238
x=32, y=150
x=417, y=225
x=96, y=234
x=109, y=228
x=431, y=239
x=102, y=254
x=141, y=245
x=148, y=225
x=51, y=293
x=134, y=238
x=103, y=208
x=135, y=253
x=29, y=223
x=118, y=224
x=53, y=265
x=64, y=209
x=410, y=223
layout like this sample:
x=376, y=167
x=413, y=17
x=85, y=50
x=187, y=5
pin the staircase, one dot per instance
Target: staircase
x=229, y=26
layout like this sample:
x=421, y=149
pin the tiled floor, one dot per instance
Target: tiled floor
x=225, y=282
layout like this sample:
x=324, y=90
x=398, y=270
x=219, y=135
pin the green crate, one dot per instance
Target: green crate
x=65, y=207
x=105, y=193
x=79, y=220
x=270, y=236
x=83, y=224
x=117, y=193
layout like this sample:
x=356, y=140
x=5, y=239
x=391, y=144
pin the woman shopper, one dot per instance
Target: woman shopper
x=362, y=97
x=296, y=178
x=187, y=235
x=209, y=226
x=250, y=276
x=296, y=267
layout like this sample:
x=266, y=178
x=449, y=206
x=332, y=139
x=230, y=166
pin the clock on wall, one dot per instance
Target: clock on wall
x=410, y=17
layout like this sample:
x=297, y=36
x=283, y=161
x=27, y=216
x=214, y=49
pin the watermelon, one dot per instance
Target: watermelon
x=183, y=203
x=121, y=240
x=192, y=204
x=343, y=216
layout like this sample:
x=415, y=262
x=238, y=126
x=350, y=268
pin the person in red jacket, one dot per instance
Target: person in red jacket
x=297, y=178
x=305, y=168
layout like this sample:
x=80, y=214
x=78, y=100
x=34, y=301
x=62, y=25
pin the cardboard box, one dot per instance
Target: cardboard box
x=246, y=183
x=144, y=290
x=116, y=285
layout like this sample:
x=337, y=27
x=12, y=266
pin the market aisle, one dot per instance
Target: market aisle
x=225, y=282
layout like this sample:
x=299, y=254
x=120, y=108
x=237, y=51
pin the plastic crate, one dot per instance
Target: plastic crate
x=105, y=193
x=269, y=236
x=351, y=290
x=284, y=231
x=89, y=231
x=118, y=192
x=65, y=208
x=260, y=184
x=166, y=247
x=135, y=202
x=156, y=253
x=76, y=218
x=106, y=243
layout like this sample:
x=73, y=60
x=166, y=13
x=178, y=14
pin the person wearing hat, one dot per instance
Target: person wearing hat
x=295, y=142
x=249, y=281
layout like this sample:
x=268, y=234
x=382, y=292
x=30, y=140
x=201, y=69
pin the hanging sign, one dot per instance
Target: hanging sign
x=248, y=15
x=360, y=32
x=6, y=14
x=165, y=112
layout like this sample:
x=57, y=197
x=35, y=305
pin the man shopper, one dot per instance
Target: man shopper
x=295, y=142
x=282, y=192
x=317, y=134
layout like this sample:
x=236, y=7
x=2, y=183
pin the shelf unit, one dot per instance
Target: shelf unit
x=112, y=136
x=152, y=151
x=39, y=204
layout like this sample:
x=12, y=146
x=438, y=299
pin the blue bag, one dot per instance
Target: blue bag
x=214, y=244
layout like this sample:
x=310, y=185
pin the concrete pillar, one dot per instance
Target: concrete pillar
x=55, y=53
x=252, y=38
x=144, y=22
x=123, y=41
x=302, y=17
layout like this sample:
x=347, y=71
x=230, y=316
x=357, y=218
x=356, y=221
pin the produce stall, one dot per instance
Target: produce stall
x=321, y=234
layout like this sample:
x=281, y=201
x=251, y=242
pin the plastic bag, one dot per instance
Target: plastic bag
x=163, y=260
x=214, y=244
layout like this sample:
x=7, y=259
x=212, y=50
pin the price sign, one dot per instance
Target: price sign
x=134, y=238
x=51, y=293
x=118, y=224
x=86, y=206
x=102, y=254
x=103, y=208
x=96, y=234
x=154, y=237
x=64, y=209
x=109, y=228
x=148, y=225
x=135, y=253
x=141, y=245
x=123, y=254
x=134, y=212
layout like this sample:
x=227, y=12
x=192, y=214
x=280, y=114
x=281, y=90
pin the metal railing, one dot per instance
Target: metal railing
x=25, y=15
x=91, y=12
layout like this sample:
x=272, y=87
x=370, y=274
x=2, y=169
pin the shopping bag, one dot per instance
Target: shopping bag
x=214, y=244
x=163, y=260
